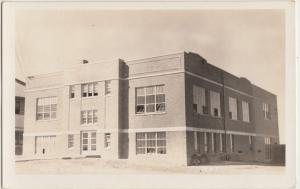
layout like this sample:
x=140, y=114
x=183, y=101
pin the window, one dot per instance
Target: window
x=196, y=141
x=107, y=140
x=46, y=108
x=232, y=108
x=70, y=141
x=19, y=109
x=245, y=108
x=250, y=143
x=89, y=89
x=199, y=100
x=72, y=91
x=89, y=117
x=213, y=142
x=151, y=143
x=268, y=147
x=266, y=111
x=215, y=104
x=18, y=137
x=107, y=87
x=231, y=143
x=205, y=142
x=150, y=99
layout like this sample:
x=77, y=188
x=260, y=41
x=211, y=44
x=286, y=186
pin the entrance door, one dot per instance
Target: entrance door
x=44, y=145
x=88, y=142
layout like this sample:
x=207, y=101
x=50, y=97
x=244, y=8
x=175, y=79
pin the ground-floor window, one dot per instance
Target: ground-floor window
x=151, y=143
x=231, y=136
x=70, y=141
x=268, y=147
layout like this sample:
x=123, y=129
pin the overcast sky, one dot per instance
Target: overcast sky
x=248, y=43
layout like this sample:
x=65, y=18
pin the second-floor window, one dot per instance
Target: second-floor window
x=89, y=89
x=46, y=108
x=232, y=108
x=199, y=100
x=150, y=99
x=89, y=117
x=215, y=104
x=266, y=111
x=245, y=108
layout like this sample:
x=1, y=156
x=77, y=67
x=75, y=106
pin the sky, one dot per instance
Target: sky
x=247, y=43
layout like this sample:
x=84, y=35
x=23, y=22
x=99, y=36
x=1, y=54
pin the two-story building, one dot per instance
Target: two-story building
x=165, y=109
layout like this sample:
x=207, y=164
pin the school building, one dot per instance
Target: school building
x=174, y=108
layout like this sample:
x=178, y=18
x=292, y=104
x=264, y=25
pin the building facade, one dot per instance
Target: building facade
x=19, y=115
x=168, y=108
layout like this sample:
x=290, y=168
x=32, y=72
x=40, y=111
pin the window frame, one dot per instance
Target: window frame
x=89, y=88
x=147, y=142
x=70, y=141
x=230, y=108
x=266, y=111
x=212, y=109
x=155, y=103
x=43, y=112
x=202, y=100
x=72, y=92
x=84, y=114
x=107, y=140
x=243, y=113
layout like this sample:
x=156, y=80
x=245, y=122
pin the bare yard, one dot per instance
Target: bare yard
x=101, y=166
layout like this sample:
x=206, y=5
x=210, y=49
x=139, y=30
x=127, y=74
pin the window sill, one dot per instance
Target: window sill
x=150, y=154
x=208, y=115
x=46, y=120
x=89, y=125
x=146, y=114
x=89, y=97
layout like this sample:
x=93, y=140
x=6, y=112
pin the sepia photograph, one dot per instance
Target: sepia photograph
x=163, y=91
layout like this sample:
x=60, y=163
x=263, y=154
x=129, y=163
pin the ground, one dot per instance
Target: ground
x=101, y=166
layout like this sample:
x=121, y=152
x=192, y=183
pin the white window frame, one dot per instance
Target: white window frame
x=155, y=103
x=47, y=101
x=145, y=140
x=89, y=88
x=84, y=115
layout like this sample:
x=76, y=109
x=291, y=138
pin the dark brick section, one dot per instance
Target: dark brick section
x=211, y=78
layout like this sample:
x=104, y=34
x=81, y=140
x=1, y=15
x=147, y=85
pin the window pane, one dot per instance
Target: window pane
x=53, y=107
x=140, y=150
x=161, y=142
x=160, y=89
x=161, y=150
x=140, y=100
x=46, y=115
x=95, y=89
x=39, y=116
x=140, y=108
x=150, y=135
x=161, y=135
x=47, y=108
x=53, y=115
x=150, y=90
x=84, y=135
x=89, y=116
x=160, y=98
x=93, y=147
x=93, y=135
x=140, y=143
x=140, y=92
x=150, y=99
x=150, y=108
x=95, y=117
x=84, y=147
x=160, y=107
x=40, y=109
x=140, y=135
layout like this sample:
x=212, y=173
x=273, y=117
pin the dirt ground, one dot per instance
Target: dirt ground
x=101, y=166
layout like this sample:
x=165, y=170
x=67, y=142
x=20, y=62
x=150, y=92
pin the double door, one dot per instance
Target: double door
x=88, y=142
